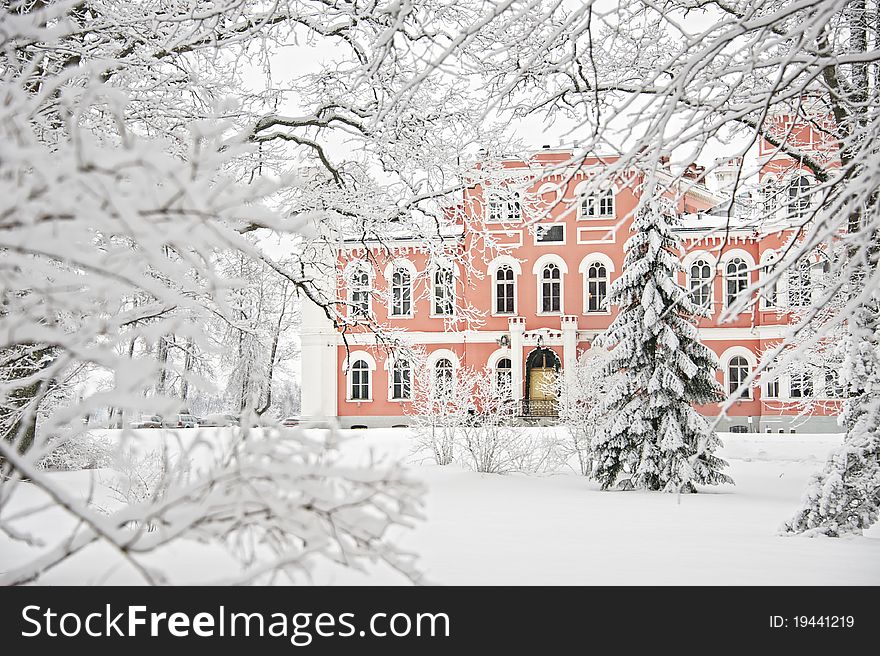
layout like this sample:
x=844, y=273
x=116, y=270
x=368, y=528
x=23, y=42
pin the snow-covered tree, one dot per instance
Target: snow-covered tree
x=580, y=402
x=844, y=498
x=135, y=150
x=654, y=438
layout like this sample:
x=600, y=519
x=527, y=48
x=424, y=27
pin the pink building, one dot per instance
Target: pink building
x=530, y=297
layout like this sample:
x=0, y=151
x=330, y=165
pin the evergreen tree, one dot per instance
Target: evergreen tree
x=655, y=439
x=844, y=498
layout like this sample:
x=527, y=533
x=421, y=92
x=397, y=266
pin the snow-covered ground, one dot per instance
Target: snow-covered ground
x=560, y=529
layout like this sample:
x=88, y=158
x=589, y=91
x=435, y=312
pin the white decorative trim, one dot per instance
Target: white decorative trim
x=399, y=263
x=608, y=234
x=549, y=258
x=700, y=254
x=508, y=233
x=354, y=356
x=502, y=260
x=492, y=360
x=439, y=354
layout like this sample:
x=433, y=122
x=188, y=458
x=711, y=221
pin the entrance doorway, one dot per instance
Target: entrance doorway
x=542, y=368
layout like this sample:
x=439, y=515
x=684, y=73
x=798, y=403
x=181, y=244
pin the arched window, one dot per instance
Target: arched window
x=597, y=287
x=505, y=291
x=801, y=386
x=551, y=289
x=769, y=292
x=359, y=293
x=359, y=377
x=401, y=293
x=737, y=279
x=401, y=380
x=769, y=198
x=701, y=283
x=798, y=196
x=503, y=377
x=737, y=372
x=598, y=205
x=800, y=287
x=444, y=292
x=443, y=377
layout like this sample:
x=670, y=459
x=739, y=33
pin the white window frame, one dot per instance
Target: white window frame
x=506, y=199
x=538, y=226
x=537, y=271
x=348, y=364
x=357, y=269
x=595, y=201
x=392, y=367
x=452, y=300
x=728, y=379
x=409, y=286
x=749, y=267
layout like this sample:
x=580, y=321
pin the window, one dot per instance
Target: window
x=550, y=234
x=504, y=208
x=833, y=387
x=598, y=205
x=737, y=279
x=597, y=287
x=769, y=199
x=443, y=377
x=798, y=196
x=769, y=292
x=737, y=372
x=700, y=283
x=772, y=390
x=359, y=293
x=360, y=381
x=503, y=377
x=551, y=289
x=401, y=293
x=801, y=385
x=799, y=285
x=443, y=291
x=739, y=428
x=505, y=291
x=401, y=380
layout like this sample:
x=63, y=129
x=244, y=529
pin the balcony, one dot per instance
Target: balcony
x=540, y=408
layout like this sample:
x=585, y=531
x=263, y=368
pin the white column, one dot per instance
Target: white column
x=320, y=367
x=517, y=326
x=569, y=348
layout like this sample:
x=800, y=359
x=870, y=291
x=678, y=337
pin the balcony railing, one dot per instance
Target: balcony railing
x=540, y=408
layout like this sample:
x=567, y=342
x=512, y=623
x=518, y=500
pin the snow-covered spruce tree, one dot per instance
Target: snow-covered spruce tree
x=844, y=498
x=655, y=440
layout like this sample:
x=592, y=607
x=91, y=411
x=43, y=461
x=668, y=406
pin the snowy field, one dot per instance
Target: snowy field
x=485, y=529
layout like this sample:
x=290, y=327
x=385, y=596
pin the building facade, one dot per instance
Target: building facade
x=522, y=289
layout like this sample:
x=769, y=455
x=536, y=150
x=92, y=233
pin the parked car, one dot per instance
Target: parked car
x=291, y=421
x=219, y=419
x=180, y=421
x=148, y=421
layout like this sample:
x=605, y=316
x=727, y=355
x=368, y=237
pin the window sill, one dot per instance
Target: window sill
x=358, y=400
x=400, y=316
x=550, y=314
x=604, y=217
x=503, y=314
x=392, y=400
x=603, y=313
